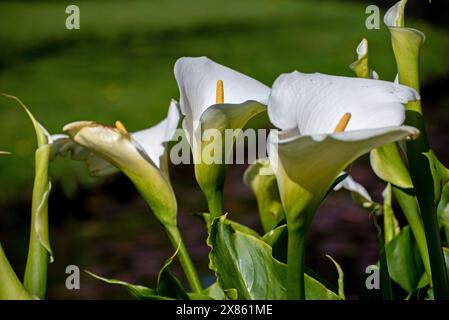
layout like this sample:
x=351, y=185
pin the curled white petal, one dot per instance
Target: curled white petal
x=197, y=79
x=314, y=103
x=353, y=186
x=314, y=161
x=153, y=139
x=393, y=16
x=362, y=49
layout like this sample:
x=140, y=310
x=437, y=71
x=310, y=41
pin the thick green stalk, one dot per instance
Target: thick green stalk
x=424, y=190
x=210, y=178
x=35, y=279
x=408, y=203
x=10, y=286
x=385, y=281
x=214, y=203
x=406, y=46
x=184, y=258
x=296, y=263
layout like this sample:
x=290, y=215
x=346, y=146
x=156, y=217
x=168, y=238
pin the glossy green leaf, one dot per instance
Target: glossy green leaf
x=10, y=286
x=237, y=226
x=168, y=286
x=137, y=291
x=388, y=165
x=404, y=262
x=245, y=263
x=262, y=181
x=440, y=174
x=443, y=210
x=277, y=239
x=39, y=252
x=216, y=292
x=341, y=284
x=391, y=225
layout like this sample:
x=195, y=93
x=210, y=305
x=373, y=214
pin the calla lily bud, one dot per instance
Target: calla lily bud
x=406, y=44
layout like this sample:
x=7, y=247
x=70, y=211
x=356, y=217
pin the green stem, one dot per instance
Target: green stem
x=423, y=184
x=185, y=260
x=296, y=263
x=35, y=279
x=406, y=45
x=215, y=203
x=10, y=286
x=407, y=201
x=385, y=281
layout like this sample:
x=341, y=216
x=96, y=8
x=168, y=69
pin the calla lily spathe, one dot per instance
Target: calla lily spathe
x=261, y=178
x=215, y=97
x=309, y=107
x=326, y=123
x=139, y=155
x=142, y=157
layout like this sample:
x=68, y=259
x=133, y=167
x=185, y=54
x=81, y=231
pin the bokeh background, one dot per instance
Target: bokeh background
x=119, y=65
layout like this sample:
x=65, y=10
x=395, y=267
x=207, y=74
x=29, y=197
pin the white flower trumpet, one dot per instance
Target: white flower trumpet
x=326, y=123
x=214, y=97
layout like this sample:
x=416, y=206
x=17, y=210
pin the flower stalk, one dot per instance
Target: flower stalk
x=406, y=43
x=39, y=251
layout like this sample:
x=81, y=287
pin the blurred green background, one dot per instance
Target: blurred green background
x=119, y=65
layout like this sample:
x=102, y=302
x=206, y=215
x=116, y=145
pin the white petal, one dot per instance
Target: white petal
x=362, y=49
x=153, y=139
x=353, y=186
x=314, y=103
x=313, y=162
x=394, y=15
x=197, y=79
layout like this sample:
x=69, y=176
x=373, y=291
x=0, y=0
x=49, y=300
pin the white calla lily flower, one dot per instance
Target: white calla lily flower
x=329, y=121
x=139, y=155
x=215, y=97
x=142, y=157
x=326, y=123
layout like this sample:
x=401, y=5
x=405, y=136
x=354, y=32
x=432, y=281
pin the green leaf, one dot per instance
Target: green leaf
x=35, y=279
x=216, y=292
x=245, y=263
x=341, y=284
x=262, y=181
x=277, y=239
x=137, y=291
x=10, y=286
x=440, y=174
x=388, y=165
x=391, y=225
x=404, y=262
x=237, y=226
x=443, y=210
x=167, y=284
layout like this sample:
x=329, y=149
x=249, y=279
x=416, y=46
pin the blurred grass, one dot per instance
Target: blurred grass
x=119, y=64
